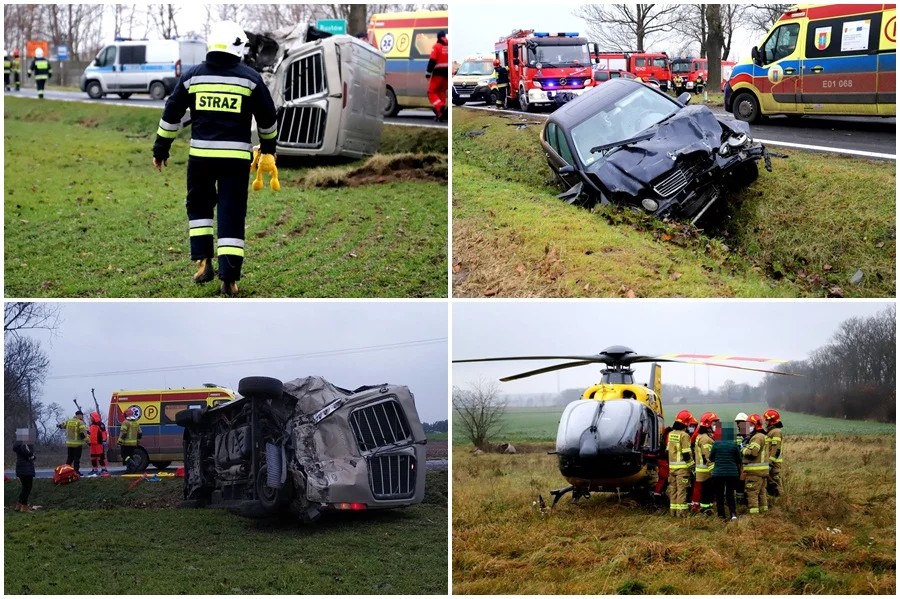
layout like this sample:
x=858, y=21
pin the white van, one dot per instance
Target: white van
x=329, y=94
x=152, y=67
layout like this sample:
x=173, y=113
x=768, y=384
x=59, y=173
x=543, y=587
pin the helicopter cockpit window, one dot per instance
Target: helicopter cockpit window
x=618, y=378
x=648, y=430
x=619, y=424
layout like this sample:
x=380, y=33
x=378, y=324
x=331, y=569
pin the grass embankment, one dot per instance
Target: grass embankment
x=540, y=424
x=802, y=230
x=503, y=543
x=86, y=215
x=86, y=531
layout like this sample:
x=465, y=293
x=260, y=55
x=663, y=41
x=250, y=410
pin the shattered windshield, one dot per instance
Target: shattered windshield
x=476, y=67
x=558, y=55
x=623, y=119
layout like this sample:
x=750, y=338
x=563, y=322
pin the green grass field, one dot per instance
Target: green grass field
x=86, y=215
x=539, y=424
x=800, y=231
x=95, y=532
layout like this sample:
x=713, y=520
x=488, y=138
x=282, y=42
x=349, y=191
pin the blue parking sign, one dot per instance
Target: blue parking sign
x=62, y=53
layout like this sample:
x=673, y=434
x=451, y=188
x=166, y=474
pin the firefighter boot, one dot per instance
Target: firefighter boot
x=204, y=272
x=229, y=288
x=443, y=115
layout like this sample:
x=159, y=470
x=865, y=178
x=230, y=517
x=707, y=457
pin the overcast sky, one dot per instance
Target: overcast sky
x=474, y=28
x=103, y=337
x=784, y=330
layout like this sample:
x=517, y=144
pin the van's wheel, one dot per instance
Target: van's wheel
x=139, y=460
x=391, y=108
x=125, y=95
x=260, y=385
x=94, y=90
x=162, y=465
x=273, y=500
x=458, y=102
x=746, y=107
x=157, y=90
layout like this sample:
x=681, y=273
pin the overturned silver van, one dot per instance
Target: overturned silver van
x=305, y=447
x=328, y=89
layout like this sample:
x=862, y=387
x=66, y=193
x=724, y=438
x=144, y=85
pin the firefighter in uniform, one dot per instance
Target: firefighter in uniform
x=662, y=466
x=40, y=68
x=678, y=449
x=775, y=447
x=501, y=74
x=98, y=438
x=223, y=95
x=129, y=437
x=7, y=68
x=76, y=437
x=704, y=467
x=756, y=467
x=436, y=72
x=740, y=438
x=17, y=69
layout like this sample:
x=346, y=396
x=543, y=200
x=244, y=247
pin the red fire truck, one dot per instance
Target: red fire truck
x=545, y=69
x=687, y=70
x=649, y=66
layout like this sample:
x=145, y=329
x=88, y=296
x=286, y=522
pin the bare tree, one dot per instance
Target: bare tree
x=628, y=26
x=733, y=16
x=78, y=26
x=163, y=18
x=761, y=17
x=692, y=26
x=715, y=39
x=30, y=316
x=479, y=411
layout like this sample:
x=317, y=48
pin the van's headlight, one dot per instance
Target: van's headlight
x=484, y=82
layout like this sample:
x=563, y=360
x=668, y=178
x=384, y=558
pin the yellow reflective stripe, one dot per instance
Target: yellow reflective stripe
x=210, y=153
x=268, y=135
x=230, y=251
x=41, y=77
x=163, y=133
x=219, y=87
x=197, y=231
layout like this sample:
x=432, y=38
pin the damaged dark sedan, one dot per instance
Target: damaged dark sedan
x=628, y=144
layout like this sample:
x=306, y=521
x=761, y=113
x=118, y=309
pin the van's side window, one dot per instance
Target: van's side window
x=825, y=38
x=107, y=57
x=781, y=43
x=424, y=41
x=133, y=55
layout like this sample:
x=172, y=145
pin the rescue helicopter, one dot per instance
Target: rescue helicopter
x=610, y=439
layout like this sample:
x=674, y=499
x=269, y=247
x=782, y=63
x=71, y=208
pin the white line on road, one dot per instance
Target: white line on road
x=770, y=142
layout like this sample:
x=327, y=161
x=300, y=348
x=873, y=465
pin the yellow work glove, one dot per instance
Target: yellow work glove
x=264, y=163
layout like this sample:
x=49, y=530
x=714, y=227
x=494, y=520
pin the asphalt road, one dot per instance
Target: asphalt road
x=409, y=118
x=855, y=136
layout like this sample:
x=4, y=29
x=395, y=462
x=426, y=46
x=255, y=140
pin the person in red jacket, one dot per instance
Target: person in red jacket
x=98, y=438
x=436, y=72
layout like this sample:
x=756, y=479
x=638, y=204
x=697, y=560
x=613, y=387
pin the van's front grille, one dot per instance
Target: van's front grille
x=392, y=476
x=464, y=88
x=301, y=126
x=305, y=78
x=379, y=425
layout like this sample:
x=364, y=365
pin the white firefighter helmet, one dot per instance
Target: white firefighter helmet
x=741, y=417
x=5, y=52
x=38, y=52
x=228, y=37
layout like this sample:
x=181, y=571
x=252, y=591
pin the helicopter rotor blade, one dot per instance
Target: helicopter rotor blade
x=734, y=366
x=523, y=375
x=595, y=358
x=721, y=358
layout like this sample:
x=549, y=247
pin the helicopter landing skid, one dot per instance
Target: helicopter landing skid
x=577, y=493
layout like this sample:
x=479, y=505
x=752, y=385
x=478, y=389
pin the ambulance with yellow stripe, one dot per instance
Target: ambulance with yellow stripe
x=161, y=443
x=406, y=40
x=820, y=59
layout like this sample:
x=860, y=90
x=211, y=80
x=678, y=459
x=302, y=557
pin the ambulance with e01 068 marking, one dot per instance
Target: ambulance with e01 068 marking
x=821, y=59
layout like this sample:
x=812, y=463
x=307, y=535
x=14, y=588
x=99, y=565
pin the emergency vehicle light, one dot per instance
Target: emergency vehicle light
x=570, y=34
x=542, y=34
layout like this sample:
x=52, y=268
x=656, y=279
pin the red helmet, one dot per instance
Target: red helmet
x=496, y=62
x=708, y=418
x=772, y=416
x=16, y=52
x=684, y=417
x=755, y=420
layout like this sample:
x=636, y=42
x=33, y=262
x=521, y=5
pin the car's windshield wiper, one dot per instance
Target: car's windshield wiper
x=623, y=143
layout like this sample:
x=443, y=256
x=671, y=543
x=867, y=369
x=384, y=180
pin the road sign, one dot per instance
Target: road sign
x=333, y=26
x=62, y=53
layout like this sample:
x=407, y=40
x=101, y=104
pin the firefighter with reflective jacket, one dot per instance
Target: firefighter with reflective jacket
x=740, y=438
x=223, y=96
x=501, y=74
x=98, y=438
x=678, y=449
x=17, y=69
x=76, y=437
x=40, y=68
x=129, y=437
x=7, y=69
x=775, y=448
x=704, y=467
x=756, y=466
x=436, y=72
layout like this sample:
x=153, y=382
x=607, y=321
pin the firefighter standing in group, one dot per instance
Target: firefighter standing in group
x=704, y=466
x=501, y=74
x=436, y=72
x=129, y=437
x=40, y=68
x=678, y=449
x=740, y=439
x=756, y=467
x=223, y=95
x=76, y=437
x=98, y=438
x=774, y=449
x=17, y=69
x=7, y=67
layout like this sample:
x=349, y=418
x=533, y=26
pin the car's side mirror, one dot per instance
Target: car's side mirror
x=516, y=61
x=567, y=170
x=684, y=98
x=754, y=54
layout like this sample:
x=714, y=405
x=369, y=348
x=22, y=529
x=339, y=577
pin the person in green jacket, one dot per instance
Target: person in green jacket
x=726, y=455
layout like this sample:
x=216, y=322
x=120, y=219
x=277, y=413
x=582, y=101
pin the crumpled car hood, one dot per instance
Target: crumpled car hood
x=693, y=130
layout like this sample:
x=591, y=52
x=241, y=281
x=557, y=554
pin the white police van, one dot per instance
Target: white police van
x=127, y=67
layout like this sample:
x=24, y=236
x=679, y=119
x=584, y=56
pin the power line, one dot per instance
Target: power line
x=318, y=354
